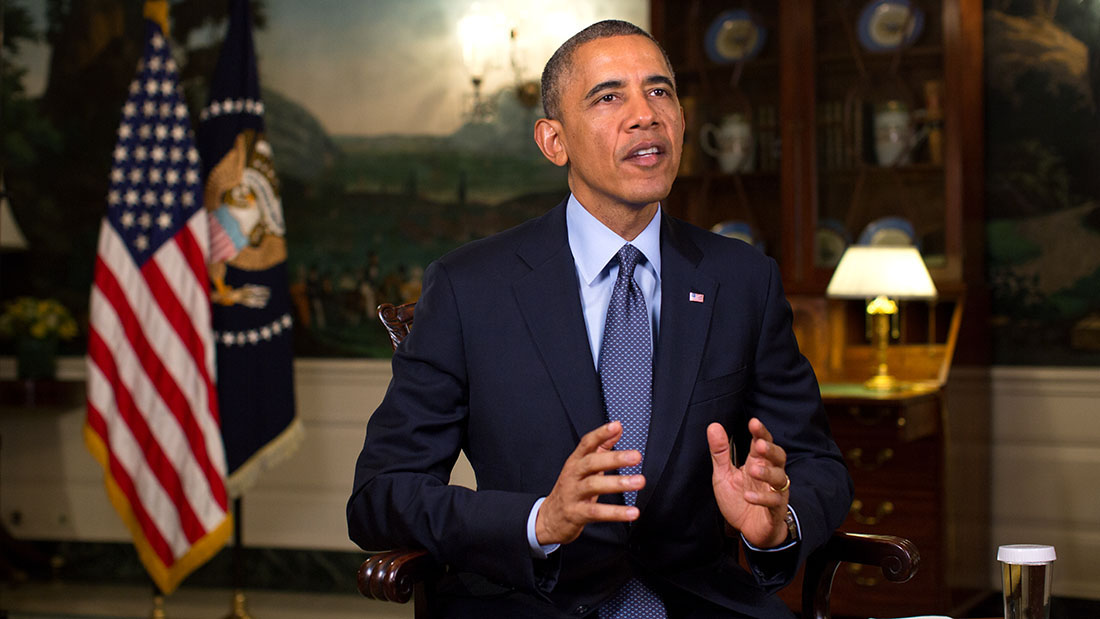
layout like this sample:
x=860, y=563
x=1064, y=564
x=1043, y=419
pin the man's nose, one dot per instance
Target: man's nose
x=641, y=113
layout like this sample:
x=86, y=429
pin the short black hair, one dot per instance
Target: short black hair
x=562, y=59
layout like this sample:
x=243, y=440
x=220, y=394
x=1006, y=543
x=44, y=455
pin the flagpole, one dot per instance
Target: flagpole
x=158, y=604
x=239, y=605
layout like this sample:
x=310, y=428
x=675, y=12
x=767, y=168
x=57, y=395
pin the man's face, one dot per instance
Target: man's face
x=621, y=125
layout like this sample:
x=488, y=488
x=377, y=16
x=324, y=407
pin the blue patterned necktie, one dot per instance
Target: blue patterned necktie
x=626, y=373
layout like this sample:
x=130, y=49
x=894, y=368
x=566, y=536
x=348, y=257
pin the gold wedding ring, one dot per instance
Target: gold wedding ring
x=786, y=485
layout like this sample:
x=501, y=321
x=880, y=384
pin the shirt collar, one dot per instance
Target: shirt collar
x=594, y=245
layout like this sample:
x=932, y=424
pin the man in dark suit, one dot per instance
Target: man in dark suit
x=511, y=360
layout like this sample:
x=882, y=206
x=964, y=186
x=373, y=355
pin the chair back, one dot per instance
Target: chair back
x=397, y=319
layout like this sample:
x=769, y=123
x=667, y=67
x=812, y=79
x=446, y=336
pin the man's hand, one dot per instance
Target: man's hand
x=573, y=502
x=747, y=495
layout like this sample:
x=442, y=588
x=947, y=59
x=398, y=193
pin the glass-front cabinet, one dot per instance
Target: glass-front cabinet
x=813, y=125
x=879, y=130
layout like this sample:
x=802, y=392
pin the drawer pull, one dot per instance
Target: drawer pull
x=885, y=508
x=870, y=415
x=855, y=456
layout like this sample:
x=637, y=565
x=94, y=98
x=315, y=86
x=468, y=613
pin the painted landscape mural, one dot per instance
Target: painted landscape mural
x=387, y=154
x=1042, y=182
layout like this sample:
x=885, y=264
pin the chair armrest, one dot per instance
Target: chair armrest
x=392, y=575
x=897, y=557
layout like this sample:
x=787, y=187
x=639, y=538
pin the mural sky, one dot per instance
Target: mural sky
x=378, y=67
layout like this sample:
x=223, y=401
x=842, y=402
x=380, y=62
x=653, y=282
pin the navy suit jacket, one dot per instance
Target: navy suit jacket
x=499, y=365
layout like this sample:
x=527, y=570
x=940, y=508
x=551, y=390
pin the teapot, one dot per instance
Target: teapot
x=893, y=134
x=731, y=142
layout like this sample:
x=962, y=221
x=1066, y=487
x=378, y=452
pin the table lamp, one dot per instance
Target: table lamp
x=884, y=275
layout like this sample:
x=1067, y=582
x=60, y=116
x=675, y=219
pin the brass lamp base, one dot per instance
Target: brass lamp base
x=880, y=311
x=882, y=382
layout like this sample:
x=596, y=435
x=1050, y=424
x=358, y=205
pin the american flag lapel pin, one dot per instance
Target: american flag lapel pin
x=695, y=297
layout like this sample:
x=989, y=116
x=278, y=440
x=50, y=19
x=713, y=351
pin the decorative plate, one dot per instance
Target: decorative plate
x=741, y=230
x=891, y=231
x=886, y=25
x=733, y=36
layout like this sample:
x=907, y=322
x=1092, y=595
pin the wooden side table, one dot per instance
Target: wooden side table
x=893, y=444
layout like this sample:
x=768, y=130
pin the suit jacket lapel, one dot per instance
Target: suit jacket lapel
x=683, y=334
x=549, y=300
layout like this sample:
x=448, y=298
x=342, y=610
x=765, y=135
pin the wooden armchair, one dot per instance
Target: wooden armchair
x=401, y=575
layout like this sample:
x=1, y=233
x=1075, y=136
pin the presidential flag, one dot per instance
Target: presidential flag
x=252, y=310
x=152, y=419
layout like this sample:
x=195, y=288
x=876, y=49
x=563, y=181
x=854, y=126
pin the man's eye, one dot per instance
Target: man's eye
x=660, y=92
x=607, y=98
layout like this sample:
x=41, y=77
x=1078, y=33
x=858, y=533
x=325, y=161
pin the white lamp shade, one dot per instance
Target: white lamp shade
x=867, y=271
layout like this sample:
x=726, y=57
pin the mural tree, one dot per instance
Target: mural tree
x=1042, y=186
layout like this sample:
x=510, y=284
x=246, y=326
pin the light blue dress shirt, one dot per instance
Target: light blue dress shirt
x=594, y=247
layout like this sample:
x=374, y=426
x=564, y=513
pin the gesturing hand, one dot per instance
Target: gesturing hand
x=573, y=502
x=747, y=495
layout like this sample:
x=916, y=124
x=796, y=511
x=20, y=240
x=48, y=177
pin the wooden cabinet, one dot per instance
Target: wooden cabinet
x=894, y=449
x=811, y=93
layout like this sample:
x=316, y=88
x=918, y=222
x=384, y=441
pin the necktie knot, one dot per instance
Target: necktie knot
x=629, y=257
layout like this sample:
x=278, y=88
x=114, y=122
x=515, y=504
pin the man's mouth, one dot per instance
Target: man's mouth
x=645, y=154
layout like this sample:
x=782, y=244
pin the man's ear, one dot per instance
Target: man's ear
x=548, y=135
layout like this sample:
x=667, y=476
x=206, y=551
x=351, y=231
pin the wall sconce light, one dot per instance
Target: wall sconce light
x=526, y=37
x=884, y=275
x=528, y=90
x=483, y=35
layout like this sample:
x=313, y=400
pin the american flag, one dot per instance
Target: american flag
x=152, y=408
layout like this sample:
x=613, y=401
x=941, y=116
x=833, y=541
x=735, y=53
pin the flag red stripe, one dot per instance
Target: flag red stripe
x=193, y=253
x=172, y=397
x=155, y=457
x=221, y=246
x=99, y=353
x=95, y=419
x=177, y=317
x=153, y=365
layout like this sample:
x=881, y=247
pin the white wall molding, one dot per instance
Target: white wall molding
x=1045, y=462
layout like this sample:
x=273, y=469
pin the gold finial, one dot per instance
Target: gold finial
x=157, y=10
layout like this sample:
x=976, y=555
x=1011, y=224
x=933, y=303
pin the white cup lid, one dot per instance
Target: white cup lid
x=1026, y=554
